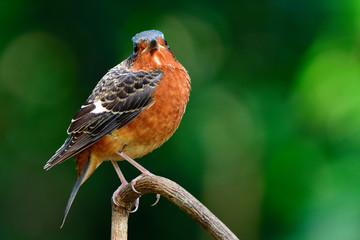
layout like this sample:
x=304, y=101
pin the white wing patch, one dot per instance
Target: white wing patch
x=99, y=108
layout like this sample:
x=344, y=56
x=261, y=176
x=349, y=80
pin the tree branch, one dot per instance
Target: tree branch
x=176, y=194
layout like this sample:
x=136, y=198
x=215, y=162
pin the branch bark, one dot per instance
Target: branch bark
x=173, y=192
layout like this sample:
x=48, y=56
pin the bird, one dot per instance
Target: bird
x=135, y=107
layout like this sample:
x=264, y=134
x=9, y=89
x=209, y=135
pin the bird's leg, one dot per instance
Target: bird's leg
x=122, y=179
x=123, y=184
x=144, y=172
x=135, y=164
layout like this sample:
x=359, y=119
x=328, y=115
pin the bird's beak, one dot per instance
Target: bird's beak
x=152, y=46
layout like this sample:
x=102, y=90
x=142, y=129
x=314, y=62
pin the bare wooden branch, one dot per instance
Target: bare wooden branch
x=176, y=194
x=119, y=221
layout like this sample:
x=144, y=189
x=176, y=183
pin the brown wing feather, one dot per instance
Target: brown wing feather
x=117, y=99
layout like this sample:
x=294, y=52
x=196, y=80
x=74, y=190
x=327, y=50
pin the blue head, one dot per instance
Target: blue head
x=147, y=36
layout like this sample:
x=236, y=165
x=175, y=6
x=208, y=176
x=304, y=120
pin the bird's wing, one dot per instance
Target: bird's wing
x=117, y=99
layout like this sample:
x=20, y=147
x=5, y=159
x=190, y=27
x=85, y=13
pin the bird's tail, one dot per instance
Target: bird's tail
x=86, y=165
x=74, y=191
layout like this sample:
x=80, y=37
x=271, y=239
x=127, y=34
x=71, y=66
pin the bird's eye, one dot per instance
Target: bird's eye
x=136, y=49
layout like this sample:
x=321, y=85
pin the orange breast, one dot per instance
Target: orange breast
x=154, y=125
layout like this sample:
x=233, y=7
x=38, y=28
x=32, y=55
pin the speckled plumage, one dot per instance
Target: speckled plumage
x=123, y=94
x=134, y=109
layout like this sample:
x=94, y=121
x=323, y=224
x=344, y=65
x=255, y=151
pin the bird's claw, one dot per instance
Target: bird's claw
x=157, y=200
x=133, y=182
x=138, y=199
x=136, y=205
x=133, y=188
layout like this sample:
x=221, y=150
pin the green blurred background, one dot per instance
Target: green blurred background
x=270, y=140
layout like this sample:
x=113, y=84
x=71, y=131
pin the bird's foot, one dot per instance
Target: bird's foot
x=133, y=182
x=143, y=171
x=117, y=192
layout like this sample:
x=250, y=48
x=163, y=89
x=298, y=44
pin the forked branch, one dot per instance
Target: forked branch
x=173, y=192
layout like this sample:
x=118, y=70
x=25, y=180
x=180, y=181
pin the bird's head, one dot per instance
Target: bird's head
x=150, y=51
